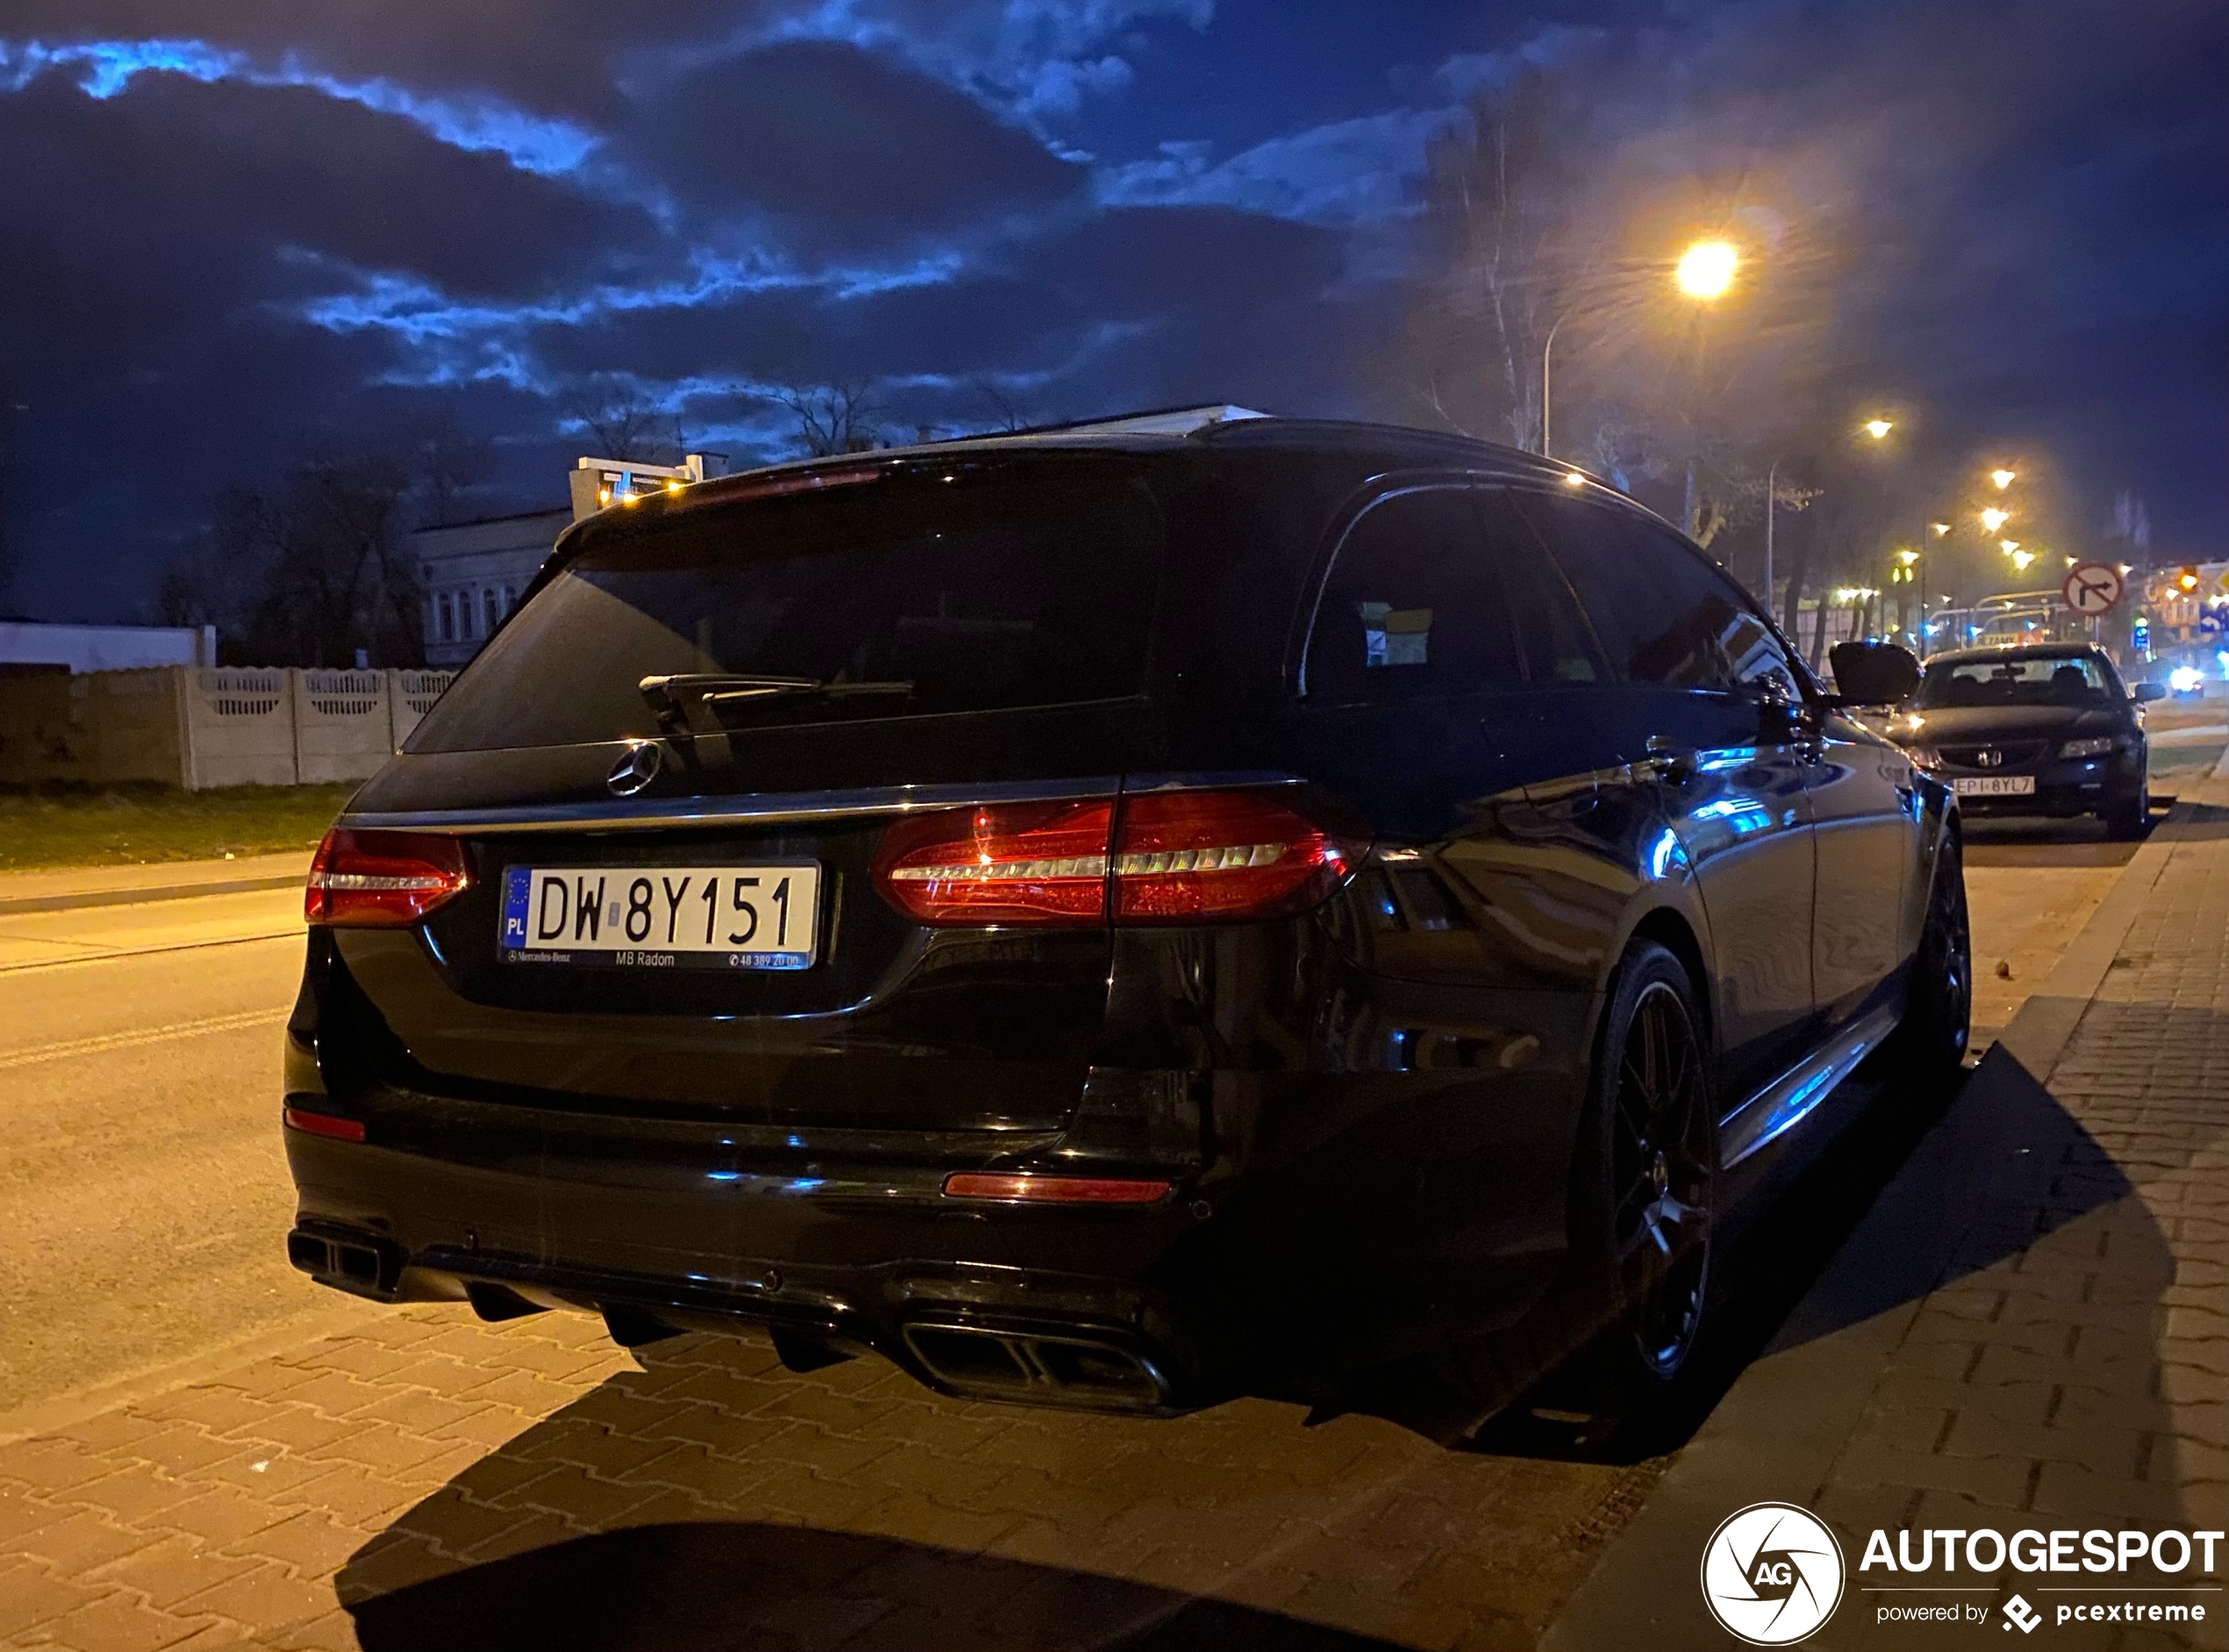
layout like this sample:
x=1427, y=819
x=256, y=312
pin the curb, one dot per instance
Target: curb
x=1777, y=1431
x=14, y=906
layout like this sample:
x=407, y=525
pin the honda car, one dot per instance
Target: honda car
x=2048, y=729
x=1119, y=918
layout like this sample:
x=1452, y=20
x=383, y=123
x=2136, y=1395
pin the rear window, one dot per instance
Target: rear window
x=983, y=588
x=2021, y=680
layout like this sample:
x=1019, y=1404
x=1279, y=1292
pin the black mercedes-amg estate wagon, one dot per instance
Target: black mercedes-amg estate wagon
x=1118, y=918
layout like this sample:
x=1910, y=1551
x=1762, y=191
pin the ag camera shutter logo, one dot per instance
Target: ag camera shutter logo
x=1771, y=1574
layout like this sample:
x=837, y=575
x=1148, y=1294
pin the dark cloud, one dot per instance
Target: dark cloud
x=845, y=149
x=2017, y=218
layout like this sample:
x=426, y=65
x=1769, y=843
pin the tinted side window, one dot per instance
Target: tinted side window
x=1411, y=605
x=1663, y=613
x=1551, y=634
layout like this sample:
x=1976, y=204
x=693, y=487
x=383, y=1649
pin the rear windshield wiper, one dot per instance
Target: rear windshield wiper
x=673, y=698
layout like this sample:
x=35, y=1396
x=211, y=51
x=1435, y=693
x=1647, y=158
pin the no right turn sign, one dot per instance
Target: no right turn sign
x=2092, y=588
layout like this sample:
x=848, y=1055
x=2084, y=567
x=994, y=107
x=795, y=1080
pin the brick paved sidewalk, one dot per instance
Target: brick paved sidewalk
x=2029, y=1329
x=320, y=1498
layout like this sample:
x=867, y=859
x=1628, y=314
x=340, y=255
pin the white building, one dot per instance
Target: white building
x=79, y=648
x=473, y=573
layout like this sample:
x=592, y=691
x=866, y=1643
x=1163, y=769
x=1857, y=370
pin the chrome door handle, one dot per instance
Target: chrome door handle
x=1669, y=761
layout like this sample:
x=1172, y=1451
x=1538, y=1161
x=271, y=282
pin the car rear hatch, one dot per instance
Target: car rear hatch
x=669, y=773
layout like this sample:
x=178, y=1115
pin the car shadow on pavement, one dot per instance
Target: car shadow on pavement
x=741, y=1584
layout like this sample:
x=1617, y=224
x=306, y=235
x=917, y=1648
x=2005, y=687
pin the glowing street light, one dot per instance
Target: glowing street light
x=2002, y=478
x=1994, y=518
x=1573, y=479
x=1877, y=428
x=1939, y=528
x=2021, y=559
x=1706, y=269
x=2010, y=547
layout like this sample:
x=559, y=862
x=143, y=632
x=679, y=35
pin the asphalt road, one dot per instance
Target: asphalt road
x=141, y=1172
x=141, y=1167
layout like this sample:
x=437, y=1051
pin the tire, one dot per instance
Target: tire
x=2127, y=818
x=1929, y=1044
x=1645, y=1186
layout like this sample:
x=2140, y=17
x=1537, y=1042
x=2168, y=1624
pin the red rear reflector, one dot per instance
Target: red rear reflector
x=382, y=880
x=323, y=1124
x=1004, y=863
x=1184, y=856
x=1177, y=857
x=1054, y=1190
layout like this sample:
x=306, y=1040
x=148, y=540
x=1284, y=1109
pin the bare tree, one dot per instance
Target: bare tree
x=1006, y=412
x=307, y=573
x=833, y=419
x=621, y=422
x=449, y=460
x=1500, y=234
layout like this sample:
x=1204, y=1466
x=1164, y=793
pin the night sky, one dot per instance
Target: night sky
x=236, y=233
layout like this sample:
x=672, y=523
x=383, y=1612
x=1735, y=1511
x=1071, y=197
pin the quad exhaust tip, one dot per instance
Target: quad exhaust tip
x=366, y=1267
x=1039, y=1368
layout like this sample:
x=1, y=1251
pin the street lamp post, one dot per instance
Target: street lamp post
x=1547, y=355
x=1705, y=271
x=1772, y=494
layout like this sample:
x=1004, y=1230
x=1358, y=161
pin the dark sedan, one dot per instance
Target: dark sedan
x=1119, y=918
x=2042, y=730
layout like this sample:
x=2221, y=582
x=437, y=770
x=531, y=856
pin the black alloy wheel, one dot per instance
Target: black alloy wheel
x=1662, y=1154
x=1930, y=1043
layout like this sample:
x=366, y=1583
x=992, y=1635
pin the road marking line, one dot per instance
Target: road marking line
x=147, y=952
x=68, y=1048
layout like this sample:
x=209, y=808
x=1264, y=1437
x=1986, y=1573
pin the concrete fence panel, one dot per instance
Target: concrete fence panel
x=240, y=729
x=132, y=720
x=342, y=729
x=410, y=696
x=201, y=727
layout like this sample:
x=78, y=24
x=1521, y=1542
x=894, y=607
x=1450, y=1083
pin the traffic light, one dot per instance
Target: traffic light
x=2189, y=578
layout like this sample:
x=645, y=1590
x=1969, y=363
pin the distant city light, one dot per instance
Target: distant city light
x=1877, y=428
x=1994, y=518
x=2002, y=478
x=1706, y=269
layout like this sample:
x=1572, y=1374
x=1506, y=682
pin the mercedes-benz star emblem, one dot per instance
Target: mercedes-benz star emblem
x=637, y=767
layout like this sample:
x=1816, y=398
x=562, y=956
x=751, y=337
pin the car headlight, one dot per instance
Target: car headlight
x=2096, y=746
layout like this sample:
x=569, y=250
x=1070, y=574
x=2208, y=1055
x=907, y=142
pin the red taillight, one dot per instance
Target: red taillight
x=1006, y=863
x=382, y=880
x=325, y=1124
x=1054, y=1190
x=1176, y=857
x=1186, y=857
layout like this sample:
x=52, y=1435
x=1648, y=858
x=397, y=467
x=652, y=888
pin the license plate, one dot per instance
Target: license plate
x=1994, y=785
x=663, y=917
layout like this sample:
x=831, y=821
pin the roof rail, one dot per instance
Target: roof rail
x=1158, y=421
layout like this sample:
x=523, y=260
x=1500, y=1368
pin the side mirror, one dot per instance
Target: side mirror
x=1872, y=673
x=2144, y=691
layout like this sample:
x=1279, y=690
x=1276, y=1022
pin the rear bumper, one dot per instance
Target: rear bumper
x=960, y=1314
x=1265, y=1283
